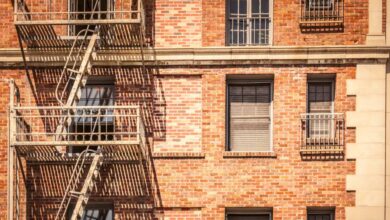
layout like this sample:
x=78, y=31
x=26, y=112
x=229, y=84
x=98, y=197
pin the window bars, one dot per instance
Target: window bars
x=322, y=12
x=322, y=132
x=77, y=11
x=248, y=22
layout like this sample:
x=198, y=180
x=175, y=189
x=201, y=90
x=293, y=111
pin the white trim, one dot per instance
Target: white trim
x=333, y=91
x=325, y=80
x=248, y=39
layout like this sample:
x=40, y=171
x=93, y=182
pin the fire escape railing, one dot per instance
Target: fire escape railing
x=322, y=133
x=114, y=125
x=91, y=23
x=74, y=12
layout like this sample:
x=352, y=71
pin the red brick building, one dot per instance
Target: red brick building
x=157, y=109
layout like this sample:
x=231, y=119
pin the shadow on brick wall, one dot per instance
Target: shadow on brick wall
x=129, y=185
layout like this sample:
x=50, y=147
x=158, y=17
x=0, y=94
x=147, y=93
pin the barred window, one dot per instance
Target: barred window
x=248, y=22
x=322, y=12
x=319, y=4
x=320, y=102
x=88, y=9
x=99, y=91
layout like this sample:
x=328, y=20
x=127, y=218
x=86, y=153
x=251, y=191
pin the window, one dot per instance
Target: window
x=320, y=108
x=99, y=91
x=322, y=12
x=322, y=129
x=88, y=9
x=320, y=214
x=249, y=214
x=249, y=22
x=96, y=212
x=249, y=116
x=319, y=4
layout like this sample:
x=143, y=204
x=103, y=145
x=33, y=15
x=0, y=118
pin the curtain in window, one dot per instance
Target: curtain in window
x=249, y=120
x=320, y=103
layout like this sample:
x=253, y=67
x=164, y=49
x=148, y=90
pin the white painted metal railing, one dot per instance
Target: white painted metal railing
x=76, y=12
x=36, y=126
x=323, y=132
x=244, y=30
x=322, y=11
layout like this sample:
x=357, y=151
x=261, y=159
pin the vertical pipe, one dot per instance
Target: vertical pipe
x=138, y=125
x=10, y=153
x=16, y=7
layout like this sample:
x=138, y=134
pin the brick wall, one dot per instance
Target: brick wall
x=194, y=23
x=178, y=106
x=286, y=30
x=201, y=187
x=286, y=183
x=8, y=38
x=178, y=23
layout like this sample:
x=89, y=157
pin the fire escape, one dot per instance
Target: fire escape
x=79, y=29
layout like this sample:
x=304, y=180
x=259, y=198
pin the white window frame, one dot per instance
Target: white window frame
x=320, y=7
x=332, y=81
x=249, y=14
x=326, y=80
x=227, y=124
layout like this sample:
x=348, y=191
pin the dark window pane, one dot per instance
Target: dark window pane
x=249, y=217
x=96, y=212
x=320, y=214
x=255, y=6
x=264, y=6
x=243, y=6
x=233, y=6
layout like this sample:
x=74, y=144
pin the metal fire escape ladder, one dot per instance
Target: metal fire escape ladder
x=89, y=182
x=74, y=76
x=77, y=67
x=77, y=174
x=77, y=77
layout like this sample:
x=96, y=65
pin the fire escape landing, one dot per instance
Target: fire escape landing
x=80, y=29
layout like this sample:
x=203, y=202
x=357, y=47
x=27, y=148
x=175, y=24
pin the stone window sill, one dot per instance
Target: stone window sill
x=232, y=154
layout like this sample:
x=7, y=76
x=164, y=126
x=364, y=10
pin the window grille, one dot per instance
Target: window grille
x=322, y=12
x=248, y=22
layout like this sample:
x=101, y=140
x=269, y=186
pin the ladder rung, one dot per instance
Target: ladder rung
x=75, y=193
x=72, y=70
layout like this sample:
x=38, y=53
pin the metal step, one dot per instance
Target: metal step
x=89, y=183
x=78, y=83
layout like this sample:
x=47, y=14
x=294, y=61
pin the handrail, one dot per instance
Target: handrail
x=56, y=11
x=64, y=70
x=74, y=107
x=75, y=178
x=59, y=99
x=39, y=125
x=74, y=184
x=322, y=132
